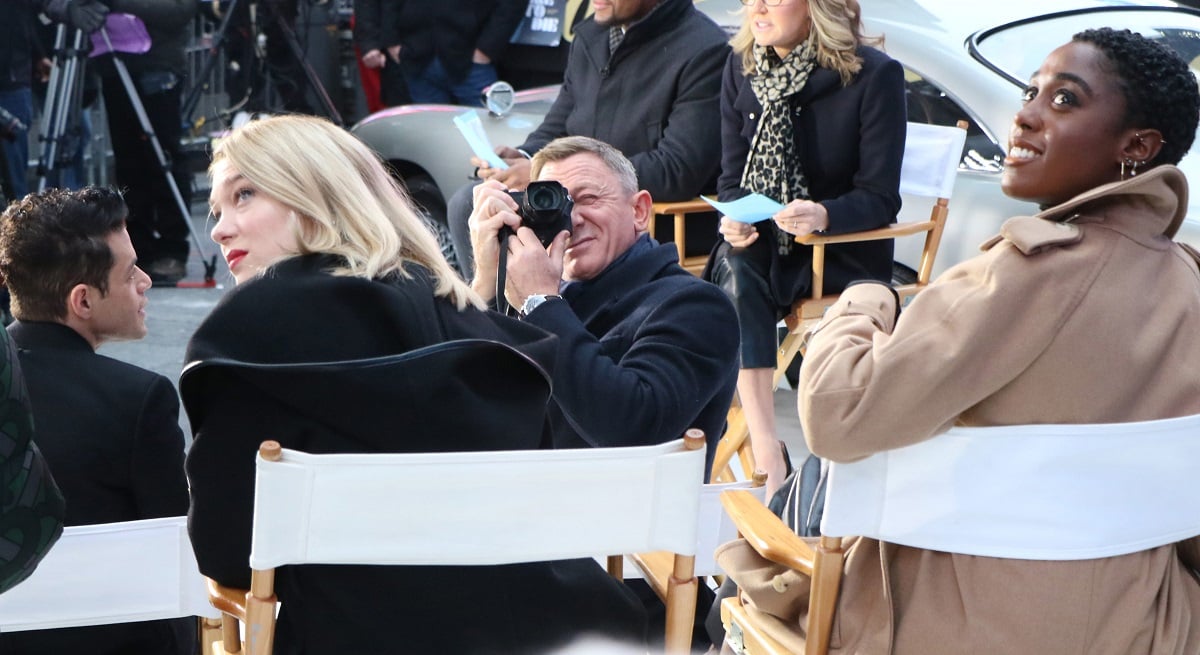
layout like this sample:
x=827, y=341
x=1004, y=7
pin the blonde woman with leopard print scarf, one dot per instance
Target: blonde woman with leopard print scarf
x=813, y=116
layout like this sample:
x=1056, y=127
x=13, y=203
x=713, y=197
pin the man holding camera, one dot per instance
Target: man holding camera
x=646, y=350
x=642, y=75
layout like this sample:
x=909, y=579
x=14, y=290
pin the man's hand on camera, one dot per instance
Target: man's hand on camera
x=85, y=15
x=494, y=209
x=533, y=268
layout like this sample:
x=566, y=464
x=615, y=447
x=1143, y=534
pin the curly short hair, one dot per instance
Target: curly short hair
x=53, y=240
x=1160, y=90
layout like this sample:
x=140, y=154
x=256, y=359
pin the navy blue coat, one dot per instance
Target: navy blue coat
x=850, y=141
x=646, y=350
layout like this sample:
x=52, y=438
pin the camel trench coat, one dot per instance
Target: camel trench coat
x=1084, y=313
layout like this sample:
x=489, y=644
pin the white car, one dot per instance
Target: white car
x=963, y=60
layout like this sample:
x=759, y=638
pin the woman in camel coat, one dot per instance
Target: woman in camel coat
x=1084, y=313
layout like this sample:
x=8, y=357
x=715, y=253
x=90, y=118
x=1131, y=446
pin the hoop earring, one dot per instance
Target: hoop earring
x=1123, y=164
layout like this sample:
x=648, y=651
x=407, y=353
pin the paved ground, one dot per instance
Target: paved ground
x=174, y=313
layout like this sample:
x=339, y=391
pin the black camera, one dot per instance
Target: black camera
x=544, y=207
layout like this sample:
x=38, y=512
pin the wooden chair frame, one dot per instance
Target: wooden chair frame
x=679, y=211
x=777, y=543
x=655, y=520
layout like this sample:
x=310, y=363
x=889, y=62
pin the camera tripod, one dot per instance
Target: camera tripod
x=293, y=47
x=61, y=114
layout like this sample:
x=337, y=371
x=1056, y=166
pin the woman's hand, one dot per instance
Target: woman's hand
x=738, y=234
x=801, y=217
x=771, y=462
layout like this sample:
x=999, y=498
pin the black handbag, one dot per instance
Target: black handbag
x=800, y=501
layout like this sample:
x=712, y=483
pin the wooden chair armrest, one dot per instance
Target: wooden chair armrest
x=766, y=533
x=892, y=231
x=656, y=569
x=228, y=600
x=682, y=207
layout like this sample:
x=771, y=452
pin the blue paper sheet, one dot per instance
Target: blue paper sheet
x=747, y=209
x=472, y=130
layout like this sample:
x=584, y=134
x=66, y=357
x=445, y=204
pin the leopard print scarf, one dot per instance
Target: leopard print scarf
x=773, y=167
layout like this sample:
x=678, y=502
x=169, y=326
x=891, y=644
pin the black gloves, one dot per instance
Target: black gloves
x=86, y=15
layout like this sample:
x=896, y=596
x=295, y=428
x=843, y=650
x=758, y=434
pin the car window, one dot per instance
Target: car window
x=1017, y=49
x=928, y=103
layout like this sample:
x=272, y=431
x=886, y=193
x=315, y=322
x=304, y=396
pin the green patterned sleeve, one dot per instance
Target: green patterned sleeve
x=31, y=506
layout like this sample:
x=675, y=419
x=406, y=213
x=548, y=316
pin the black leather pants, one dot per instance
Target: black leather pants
x=744, y=275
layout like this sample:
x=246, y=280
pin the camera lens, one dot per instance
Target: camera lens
x=541, y=198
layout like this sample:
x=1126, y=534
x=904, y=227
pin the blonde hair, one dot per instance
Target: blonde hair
x=836, y=33
x=347, y=204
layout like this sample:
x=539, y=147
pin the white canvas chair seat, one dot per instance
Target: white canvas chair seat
x=110, y=573
x=1046, y=492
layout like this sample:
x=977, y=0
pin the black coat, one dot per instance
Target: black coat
x=850, y=140
x=19, y=41
x=110, y=433
x=656, y=101
x=296, y=313
x=450, y=30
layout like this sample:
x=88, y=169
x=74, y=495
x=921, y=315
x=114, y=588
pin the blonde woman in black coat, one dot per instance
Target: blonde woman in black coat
x=333, y=266
x=812, y=116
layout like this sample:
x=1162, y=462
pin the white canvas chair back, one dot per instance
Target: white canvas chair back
x=110, y=573
x=1047, y=492
x=475, y=508
x=715, y=526
x=931, y=156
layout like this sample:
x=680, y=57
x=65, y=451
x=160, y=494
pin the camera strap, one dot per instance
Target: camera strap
x=502, y=305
